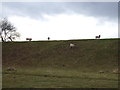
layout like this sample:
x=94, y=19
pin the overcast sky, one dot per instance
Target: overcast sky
x=63, y=20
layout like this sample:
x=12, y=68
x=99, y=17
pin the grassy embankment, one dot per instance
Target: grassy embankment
x=41, y=64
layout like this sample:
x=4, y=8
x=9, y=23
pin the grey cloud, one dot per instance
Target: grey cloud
x=96, y=9
x=35, y=10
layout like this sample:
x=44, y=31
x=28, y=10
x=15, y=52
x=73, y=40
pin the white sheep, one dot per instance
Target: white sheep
x=11, y=69
x=116, y=71
x=72, y=45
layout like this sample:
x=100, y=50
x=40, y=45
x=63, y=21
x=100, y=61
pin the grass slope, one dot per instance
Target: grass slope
x=92, y=54
x=61, y=65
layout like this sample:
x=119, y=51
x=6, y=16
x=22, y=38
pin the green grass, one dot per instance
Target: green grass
x=28, y=81
x=52, y=64
x=55, y=78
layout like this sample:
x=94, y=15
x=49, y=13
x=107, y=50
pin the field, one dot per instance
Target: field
x=53, y=64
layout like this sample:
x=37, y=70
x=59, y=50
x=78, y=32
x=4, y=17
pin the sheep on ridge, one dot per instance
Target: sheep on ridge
x=29, y=39
x=98, y=36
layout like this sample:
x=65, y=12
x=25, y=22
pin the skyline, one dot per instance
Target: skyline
x=63, y=20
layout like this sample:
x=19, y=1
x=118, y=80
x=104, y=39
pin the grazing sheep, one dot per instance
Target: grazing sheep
x=11, y=69
x=29, y=39
x=101, y=71
x=116, y=71
x=97, y=36
x=72, y=45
